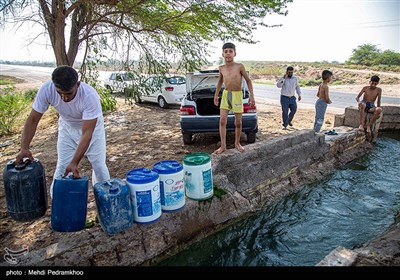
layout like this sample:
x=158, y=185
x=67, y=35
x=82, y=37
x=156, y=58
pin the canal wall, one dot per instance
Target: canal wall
x=243, y=182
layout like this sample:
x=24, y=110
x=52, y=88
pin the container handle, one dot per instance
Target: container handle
x=70, y=176
x=23, y=164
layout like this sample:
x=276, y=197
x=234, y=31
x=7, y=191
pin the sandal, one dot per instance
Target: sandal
x=331, y=132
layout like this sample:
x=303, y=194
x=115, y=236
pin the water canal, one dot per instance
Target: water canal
x=349, y=207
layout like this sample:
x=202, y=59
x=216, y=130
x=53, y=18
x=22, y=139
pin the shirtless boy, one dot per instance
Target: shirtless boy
x=230, y=74
x=367, y=105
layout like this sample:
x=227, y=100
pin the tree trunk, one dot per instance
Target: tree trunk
x=55, y=20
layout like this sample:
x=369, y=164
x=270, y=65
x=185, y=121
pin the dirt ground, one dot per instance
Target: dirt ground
x=137, y=136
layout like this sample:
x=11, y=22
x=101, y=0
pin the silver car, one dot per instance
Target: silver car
x=118, y=81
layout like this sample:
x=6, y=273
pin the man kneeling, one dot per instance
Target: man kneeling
x=367, y=104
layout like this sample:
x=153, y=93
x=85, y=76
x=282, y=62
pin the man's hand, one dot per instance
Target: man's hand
x=299, y=97
x=23, y=154
x=72, y=167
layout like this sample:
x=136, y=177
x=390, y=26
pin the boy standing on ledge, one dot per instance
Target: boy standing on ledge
x=230, y=74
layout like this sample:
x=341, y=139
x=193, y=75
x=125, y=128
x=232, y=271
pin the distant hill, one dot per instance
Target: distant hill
x=310, y=72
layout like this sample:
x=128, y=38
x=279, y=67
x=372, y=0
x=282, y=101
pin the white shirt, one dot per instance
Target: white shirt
x=85, y=105
x=289, y=86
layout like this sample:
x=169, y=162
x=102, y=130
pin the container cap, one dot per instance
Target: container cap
x=141, y=176
x=167, y=166
x=196, y=159
x=114, y=187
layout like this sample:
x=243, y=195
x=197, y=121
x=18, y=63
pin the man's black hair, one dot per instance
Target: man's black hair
x=290, y=68
x=375, y=79
x=326, y=74
x=229, y=46
x=64, y=77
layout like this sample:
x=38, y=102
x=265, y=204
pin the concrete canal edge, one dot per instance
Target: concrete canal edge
x=243, y=182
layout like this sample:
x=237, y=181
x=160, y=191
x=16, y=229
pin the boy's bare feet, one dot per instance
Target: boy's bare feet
x=239, y=148
x=361, y=127
x=368, y=129
x=220, y=150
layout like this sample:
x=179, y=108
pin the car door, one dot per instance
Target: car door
x=119, y=82
x=111, y=81
x=151, y=89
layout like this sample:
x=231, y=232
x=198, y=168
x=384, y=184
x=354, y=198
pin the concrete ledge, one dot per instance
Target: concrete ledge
x=339, y=257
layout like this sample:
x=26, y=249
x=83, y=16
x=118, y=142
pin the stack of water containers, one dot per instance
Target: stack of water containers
x=145, y=195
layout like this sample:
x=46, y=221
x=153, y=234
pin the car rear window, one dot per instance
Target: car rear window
x=176, y=80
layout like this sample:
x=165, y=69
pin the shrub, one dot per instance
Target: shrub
x=12, y=105
x=30, y=94
x=108, y=102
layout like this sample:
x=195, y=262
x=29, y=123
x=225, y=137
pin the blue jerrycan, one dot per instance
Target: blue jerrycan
x=114, y=207
x=25, y=189
x=69, y=204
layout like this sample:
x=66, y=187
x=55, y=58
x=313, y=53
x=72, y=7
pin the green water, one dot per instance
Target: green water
x=348, y=208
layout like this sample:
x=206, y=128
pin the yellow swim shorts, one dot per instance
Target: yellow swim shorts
x=232, y=100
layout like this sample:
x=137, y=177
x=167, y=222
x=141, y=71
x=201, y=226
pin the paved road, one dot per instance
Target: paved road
x=340, y=100
x=264, y=94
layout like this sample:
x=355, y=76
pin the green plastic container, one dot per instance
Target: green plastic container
x=198, y=176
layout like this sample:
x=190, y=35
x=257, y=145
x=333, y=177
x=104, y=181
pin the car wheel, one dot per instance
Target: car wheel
x=162, y=102
x=187, y=138
x=251, y=137
x=109, y=88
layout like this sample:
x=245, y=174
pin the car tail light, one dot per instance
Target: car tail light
x=249, y=108
x=187, y=110
x=169, y=88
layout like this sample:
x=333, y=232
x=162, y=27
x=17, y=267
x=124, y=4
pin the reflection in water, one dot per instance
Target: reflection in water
x=348, y=208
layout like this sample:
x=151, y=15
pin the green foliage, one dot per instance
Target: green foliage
x=159, y=31
x=89, y=223
x=12, y=105
x=218, y=192
x=5, y=82
x=364, y=54
x=30, y=94
x=388, y=57
x=370, y=55
x=108, y=102
x=309, y=83
x=90, y=75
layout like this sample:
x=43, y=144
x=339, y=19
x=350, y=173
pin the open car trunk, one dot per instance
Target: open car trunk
x=204, y=99
x=201, y=89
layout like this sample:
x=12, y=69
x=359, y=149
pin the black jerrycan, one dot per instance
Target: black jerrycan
x=25, y=188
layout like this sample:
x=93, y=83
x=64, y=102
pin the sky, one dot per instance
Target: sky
x=313, y=30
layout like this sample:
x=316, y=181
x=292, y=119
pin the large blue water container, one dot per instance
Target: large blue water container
x=25, y=189
x=69, y=204
x=172, y=186
x=144, y=185
x=114, y=205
